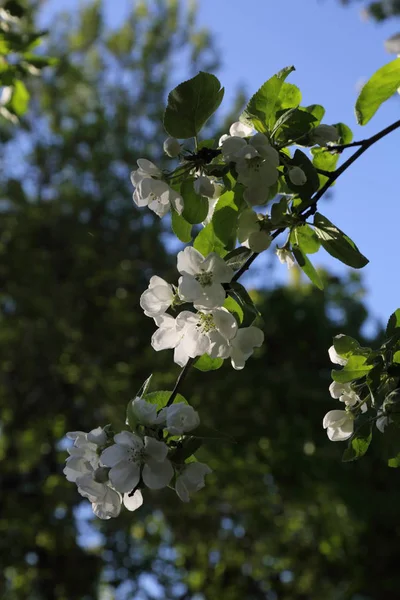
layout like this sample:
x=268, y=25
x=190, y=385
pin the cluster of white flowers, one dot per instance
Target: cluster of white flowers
x=152, y=191
x=256, y=161
x=212, y=330
x=111, y=474
x=251, y=232
x=339, y=424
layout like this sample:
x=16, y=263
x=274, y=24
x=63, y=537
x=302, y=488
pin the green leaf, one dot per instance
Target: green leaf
x=234, y=307
x=308, y=268
x=317, y=111
x=161, y=398
x=393, y=323
x=186, y=448
x=355, y=368
x=191, y=104
x=262, y=106
x=293, y=124
x=206, y=363
x=206, y=241
x=303, y=236
x=195, y=206
x=224, y=219
x=312, y=184
x=325, y=161
x=359, y=443
x=181, y=228
x=396, y=357
x=20, y=98
x=345, y=133
x=278, y=211
x=237, y=257
x=337, y=243
x=382, y=85
x=346, y=346
x=241, y=295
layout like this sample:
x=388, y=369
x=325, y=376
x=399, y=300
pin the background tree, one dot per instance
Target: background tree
x=281, y=517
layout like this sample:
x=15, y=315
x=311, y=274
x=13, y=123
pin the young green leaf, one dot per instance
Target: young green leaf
x=261, y=109
x=303, y=236
x=225, y=218
x=20, y=98
x=181, y=228
x=355, y=368
x=237, y=257
x=161, y=398
x=393, y=323
x=206, y=363
x=382, y=85
x=242, y=297
x=191, y=104
x=305, y=264
x=195, y=206
x=359, y=443
x=337, y=243
x=345, y=346
x=234, y=307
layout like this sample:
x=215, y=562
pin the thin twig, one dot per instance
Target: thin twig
x=179, y=381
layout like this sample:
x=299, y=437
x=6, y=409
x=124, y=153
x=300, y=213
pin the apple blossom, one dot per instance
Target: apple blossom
x=158, y=297
x=339, y=425
x=202, y=278
x=145, y=413
x=84, y=454
x=334, y=356
x=204, y=186
x=285, y=257
x=132, y=458
x=191, y=479
x=239, y=129
x=250, y=232
x=158, y=196
x=181, y=418
x=172, y=147
x=243, y=344
x=106, y=502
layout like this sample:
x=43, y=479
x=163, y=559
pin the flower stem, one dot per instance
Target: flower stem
x=179, y=381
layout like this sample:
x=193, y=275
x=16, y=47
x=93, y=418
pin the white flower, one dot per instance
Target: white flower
x=344, y=393
x=145, y=413
x=297, y=176
x=106, y=502
x=127, y=457
x=231, y=147
x=257, y=171
x=170, y=334
x=322, y=134
x=382, y=421
x=191, y=479
x=157, y=298
x=84, y=455
x=204, y=186
x=146, y=169
x=158, y=196
x=256, y=195
x=243, y=344
x=285, y=257
x=239, y=129
x=181, y=418
x=134, y=501
x=339, y=425
x=5, y=97
x=212, y=202
x=249, y=231
x=334, y=356
x=172, y=147
x=260, y=142
x=202, y=278
x=194, y=334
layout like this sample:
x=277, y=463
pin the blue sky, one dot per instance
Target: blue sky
x=334, y=50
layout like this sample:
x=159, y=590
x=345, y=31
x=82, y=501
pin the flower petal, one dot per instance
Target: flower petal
x=189, y=261
x=125, y=475
x=133, y=502
x=157, y=475
x=155, y=449
x=114, y=454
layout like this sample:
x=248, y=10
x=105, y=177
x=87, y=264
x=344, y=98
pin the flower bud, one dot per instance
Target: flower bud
x=285, y=257
x=322, y=134
x=172, y=147
x=259, y=241
x=297, y=176
x=204, y=186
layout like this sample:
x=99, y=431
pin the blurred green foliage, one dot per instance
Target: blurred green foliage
x=281, y=517
x=381, y=10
